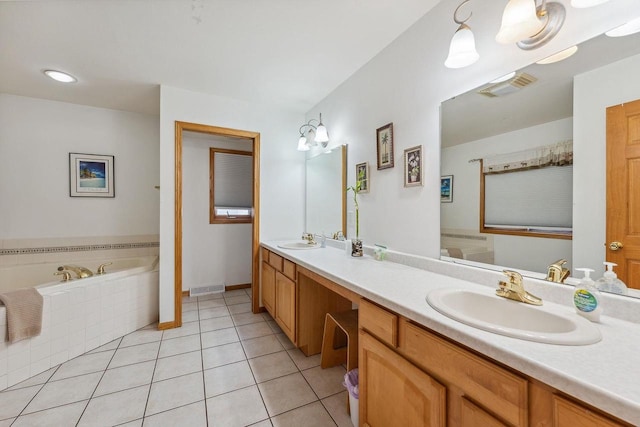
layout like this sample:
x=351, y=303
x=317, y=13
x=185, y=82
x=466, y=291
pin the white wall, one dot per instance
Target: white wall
x=593, y=93
x=405, y=84
x=281, y=168
x=528, y=253
x=212, y=254
x=36, y=137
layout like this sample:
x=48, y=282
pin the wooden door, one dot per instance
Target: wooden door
x=393, y=392
x=269, y=288
x=623, y=190
x=286, y=305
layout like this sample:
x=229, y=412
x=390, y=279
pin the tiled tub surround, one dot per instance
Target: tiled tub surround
x=79, y=316
x=601, y=374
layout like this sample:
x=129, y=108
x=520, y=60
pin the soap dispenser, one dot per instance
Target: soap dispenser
x=610, y=282
x=586, y=297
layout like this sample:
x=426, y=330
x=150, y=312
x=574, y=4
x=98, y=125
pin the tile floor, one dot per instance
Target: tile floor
x=225, y=367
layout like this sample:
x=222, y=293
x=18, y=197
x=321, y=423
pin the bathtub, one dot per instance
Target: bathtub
x=78, y=315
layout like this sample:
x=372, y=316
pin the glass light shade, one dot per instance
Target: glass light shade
x=462, y=51
x=586, y=3
x=627, y=29
x=321, y=134
x=519, y=21
x=302, y=144
x=60, y=76
x=557, y=57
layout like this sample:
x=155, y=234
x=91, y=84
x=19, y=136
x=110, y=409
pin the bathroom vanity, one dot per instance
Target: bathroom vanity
x=419, y=367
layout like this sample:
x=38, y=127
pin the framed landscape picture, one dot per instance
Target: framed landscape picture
x=91, y=175
x=362, y=175
x=413, y=166
x=384, y=146
x=446, y=188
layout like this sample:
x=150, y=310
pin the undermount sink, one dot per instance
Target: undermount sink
x=298, y=245
x=489, y=312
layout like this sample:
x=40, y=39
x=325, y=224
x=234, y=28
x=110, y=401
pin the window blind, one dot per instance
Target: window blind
x=233, y=180
x=534, y=199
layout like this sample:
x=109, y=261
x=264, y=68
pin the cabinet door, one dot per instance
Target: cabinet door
x=286, y=305
x=393, y=392
x=569, y=414
x=474, y=416
x=269, y=288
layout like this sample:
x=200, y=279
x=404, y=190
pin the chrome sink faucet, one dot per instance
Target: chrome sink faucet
x=514, y=289
x=81, y=272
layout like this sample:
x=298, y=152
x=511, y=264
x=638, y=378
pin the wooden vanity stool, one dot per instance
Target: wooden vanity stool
x=340, y=346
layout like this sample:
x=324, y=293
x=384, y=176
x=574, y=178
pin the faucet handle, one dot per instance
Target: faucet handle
x=515, y=278
x=66, y=276
x=102, y=266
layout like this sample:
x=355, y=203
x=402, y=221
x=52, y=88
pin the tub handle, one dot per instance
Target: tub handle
x=102, y=266
x=66, y=276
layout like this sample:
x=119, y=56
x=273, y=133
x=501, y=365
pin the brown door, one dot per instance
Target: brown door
x=623, y=191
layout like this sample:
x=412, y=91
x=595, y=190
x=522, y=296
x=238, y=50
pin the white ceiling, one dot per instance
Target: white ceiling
x=287, y=53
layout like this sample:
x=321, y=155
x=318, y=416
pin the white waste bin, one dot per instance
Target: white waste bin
x=351, y=383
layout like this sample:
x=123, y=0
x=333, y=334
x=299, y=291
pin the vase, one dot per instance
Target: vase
x=413, y=178
x=356, y=248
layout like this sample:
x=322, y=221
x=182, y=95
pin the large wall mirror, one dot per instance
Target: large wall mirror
x=326, y=204
x=545, y=105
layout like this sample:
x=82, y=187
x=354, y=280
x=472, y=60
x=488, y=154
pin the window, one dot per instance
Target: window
x=231, y=186
x=529, y=193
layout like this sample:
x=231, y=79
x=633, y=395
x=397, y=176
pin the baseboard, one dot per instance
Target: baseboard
x=166, y=325
x=240, y=286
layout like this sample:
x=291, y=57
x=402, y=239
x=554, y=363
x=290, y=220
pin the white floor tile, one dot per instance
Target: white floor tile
x=222, y=355
x=67, y=415
x=254, y=330
x=237, y=300
x=190, y=316
x=272, y=366
x=115, y=408
x=240, y=308
x=126, y=377
x=179, y=345
x=7, y=422
x=216, y=323
x=210, y=313
x=14, y=401
x=85, y=364
x=190, y=328
x=325, y=382
x=170, y=394
x=224, y=379
x=108, y=346
x=65, y=391
x=141, y=336
x=238, y=408
x=336, y=405
x=175, y=366
x=135, y=354
x=246, y=318
x=35, y=380
x=261, y=346
x=303, y=362
x=193, y=415
x=312, y=415
x=286, y=393
x=219, y=337
x=211, y=303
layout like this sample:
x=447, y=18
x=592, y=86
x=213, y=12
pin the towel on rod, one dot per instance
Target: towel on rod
x=24, y=313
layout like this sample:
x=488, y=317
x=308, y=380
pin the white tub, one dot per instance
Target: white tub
x=78, y=315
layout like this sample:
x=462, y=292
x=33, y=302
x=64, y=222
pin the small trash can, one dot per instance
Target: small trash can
x=351, y=383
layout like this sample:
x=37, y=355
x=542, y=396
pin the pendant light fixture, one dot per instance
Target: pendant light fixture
x=627, y=29
x=318, y=131
x=528, y=25
x=462, y=50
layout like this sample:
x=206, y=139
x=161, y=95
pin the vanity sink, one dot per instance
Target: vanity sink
x=299, y=245
x=545, y=324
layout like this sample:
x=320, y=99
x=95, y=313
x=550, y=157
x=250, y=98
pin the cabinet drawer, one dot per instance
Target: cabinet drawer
x=494, y=388
x=275, y=261
x=289, y=269
x=569, y=414
x=474, y=416
x=264, y=254
x=379, y=322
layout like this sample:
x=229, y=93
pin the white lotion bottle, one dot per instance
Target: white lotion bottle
x=586, y=297
x=610, y=282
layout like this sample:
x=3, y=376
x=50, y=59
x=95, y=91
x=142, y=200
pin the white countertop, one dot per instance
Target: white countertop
x=605, y=375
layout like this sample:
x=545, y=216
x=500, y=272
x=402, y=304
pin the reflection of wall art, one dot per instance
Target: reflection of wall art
x=362, y=175
x=384, y=145
x=91, y=175
x=413, y=166
x=446, y=188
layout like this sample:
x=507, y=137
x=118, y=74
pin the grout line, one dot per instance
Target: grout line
x=34, y=396
x=144, y=413
x=204, y=382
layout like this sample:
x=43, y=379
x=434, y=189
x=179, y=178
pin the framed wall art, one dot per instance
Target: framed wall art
x=91, y=175
x=362, y=175
x=384, y=146
x=413, y=166
x=446, y=188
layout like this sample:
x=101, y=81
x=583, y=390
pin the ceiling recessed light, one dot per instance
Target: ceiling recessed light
x=557, y=57
x=60, y=76
x=627, y=29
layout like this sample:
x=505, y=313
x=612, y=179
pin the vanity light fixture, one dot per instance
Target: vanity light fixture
x=60, y=76
x=580, y=4
x=319, y=131
x=557, y=57
x=528, y=25
x=627, y=29
x=462, y=50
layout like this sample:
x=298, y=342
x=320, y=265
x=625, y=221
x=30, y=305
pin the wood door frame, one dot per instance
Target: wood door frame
x=255, y=254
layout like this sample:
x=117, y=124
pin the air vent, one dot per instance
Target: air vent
x=514, y=84
x=206, y=290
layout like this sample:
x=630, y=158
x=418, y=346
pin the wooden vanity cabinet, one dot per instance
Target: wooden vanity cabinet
x=285, y=314
x=278, y=290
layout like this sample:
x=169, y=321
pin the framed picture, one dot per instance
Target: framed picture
x=413, y=166
x=91, y=175
x=446, y=188
x=384, y=145
x=362, y=175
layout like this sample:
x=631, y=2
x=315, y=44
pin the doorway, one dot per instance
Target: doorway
x=254, y=137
